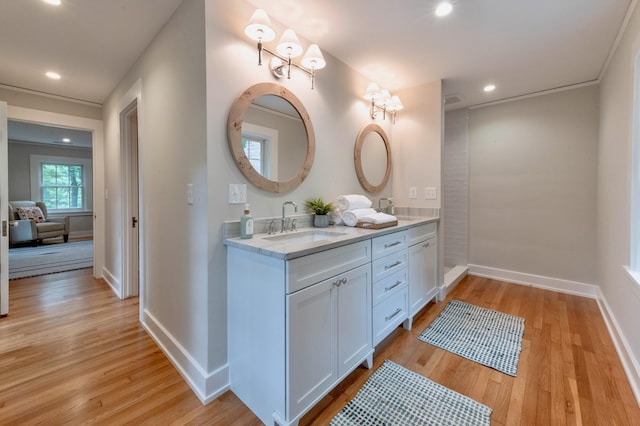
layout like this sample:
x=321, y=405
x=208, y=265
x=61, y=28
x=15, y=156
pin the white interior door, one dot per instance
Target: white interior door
x=4, y=195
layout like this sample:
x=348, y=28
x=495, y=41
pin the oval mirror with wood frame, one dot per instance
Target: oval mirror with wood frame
x=372, y=157
x=271, y=137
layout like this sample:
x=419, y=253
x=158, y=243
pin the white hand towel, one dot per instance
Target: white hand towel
x=353, y=202
x=378, y=218
x=336, y=217
x=352, y=217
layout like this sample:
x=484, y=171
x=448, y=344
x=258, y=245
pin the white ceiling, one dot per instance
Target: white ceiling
x=20, y=131
x=522, y=46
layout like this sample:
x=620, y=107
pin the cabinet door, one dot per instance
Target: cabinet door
x=354, y=318
x=422, y=274
x=311, y=344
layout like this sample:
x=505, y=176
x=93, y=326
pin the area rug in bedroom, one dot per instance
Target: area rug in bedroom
x=50, y=258
x=394, y=395
x=482, y=335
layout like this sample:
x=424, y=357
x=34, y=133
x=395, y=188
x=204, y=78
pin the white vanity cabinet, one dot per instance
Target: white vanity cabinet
x=390, y=283
x=423, y=278
x=296, y=327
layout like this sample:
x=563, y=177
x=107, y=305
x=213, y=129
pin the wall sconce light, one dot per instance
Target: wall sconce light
x=382, y=100
x=289, y=47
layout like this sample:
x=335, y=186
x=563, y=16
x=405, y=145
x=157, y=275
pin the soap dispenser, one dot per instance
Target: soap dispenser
x=246, y=224
x=389, y=209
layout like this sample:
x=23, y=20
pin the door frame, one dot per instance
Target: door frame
x=4, y=208
x=132, y=249
x=96, y=127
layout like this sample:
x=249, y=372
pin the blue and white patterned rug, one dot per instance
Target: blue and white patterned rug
x=394, y=396
x=482, y=335
x=50, y=258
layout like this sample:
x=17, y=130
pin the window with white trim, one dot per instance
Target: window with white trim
x=260, y=145
x=62, y=183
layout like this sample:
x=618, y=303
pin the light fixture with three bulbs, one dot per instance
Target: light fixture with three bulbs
x=259, y=29
x=382, y=100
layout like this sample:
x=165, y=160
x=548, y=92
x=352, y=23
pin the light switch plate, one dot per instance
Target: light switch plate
x=189, y=193
x=413, y=192
x=237, y=193
x=430, y=194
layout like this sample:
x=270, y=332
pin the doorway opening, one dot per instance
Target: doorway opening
x=129, y=139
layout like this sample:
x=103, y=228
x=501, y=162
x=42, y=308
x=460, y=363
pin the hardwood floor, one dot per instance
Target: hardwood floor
x=71, y=352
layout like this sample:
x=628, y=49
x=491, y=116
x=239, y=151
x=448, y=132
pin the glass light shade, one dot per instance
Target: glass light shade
x=385, y=98
x=373, y=91
x=313, y=59
x=289, y=45
x=259, y=27
x=395, y=104
x=444, y=8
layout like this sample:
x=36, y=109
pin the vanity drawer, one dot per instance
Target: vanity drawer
x=386, y=244
x=389, y=314
x=308, y=270
x=390, y=285
x=421, y=233
x=388, y=265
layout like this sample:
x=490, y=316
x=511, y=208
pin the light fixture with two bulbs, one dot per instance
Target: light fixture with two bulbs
x=381, y=100
x=259, y=29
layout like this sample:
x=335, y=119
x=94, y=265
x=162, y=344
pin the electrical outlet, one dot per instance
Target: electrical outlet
x=413, y=192
x=237, y=193
x=430, y=194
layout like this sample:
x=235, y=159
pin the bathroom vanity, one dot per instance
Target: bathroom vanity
x=306, y=308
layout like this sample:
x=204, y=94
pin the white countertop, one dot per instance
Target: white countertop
x=284, y=249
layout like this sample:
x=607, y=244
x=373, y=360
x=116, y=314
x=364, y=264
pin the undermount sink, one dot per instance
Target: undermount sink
x=305, y=236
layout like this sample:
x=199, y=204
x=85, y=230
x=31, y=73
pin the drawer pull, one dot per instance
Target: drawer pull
x=390, y=317
x=339, y=282
x=392, y=244
x=392, y=265
x=393, y=286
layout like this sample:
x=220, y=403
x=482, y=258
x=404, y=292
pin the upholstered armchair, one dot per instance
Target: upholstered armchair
x=27, y=223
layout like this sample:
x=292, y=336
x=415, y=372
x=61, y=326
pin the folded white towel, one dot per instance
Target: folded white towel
x=336, y=217
x=353, y=202
x=352, y=217
x=379, y=218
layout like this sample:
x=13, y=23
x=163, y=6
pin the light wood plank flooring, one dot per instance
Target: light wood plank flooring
x=71, y=352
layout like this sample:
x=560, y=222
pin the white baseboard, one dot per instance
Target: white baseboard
x=206, y=386
x=81, y=234
x=113, y=282
x=629, y=363
x=539, y=281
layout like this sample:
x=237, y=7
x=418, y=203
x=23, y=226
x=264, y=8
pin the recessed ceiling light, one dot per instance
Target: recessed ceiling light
x=53, y=75
x=489, y=87
x=66, y=140
x=444, y=8
x=53, y=2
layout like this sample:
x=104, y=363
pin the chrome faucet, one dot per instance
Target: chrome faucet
x=284, y=218
x=388, y=200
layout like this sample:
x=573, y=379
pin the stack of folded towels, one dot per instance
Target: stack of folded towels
x=355, y=208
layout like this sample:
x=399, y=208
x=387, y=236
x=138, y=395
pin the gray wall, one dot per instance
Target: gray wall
x=533, y=177
x=20, y=177
x=621, y=293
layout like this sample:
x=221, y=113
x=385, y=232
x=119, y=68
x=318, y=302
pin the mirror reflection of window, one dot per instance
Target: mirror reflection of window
x=260, y=145
x=255, y=149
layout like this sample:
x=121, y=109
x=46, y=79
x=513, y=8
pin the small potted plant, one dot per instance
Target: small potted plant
x=320, y=210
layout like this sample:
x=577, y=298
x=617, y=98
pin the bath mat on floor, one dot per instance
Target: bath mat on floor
x=394, y=395
x=482, y=335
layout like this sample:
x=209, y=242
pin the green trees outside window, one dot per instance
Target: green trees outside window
x=62, y=186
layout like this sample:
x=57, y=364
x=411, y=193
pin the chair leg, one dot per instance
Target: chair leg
x=34, y=243
x=65, y=238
